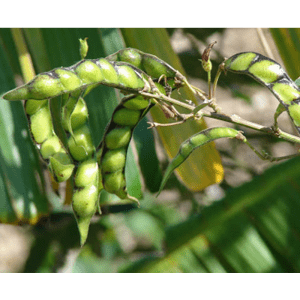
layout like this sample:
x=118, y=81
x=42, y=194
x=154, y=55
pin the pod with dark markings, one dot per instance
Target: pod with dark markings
x=150, y=64
x=194, y=142
x=48, y=143
x=113, y=148
x=83, y=74
x=86, y=195
x=87, y=184
x=270, y=74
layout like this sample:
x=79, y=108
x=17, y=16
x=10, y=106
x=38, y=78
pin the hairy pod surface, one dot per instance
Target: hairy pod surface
x=270, y=74
x=62, y=80
x=194, y=142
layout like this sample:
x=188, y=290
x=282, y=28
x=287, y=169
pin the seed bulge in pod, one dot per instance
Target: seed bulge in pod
x=44, y=86
x=87, y=173
x=84, y=203
x=61, y=166
x=69, y=79
x=155, y=68
x=50, y=147
x=81, y=145
x=131, y=56
x=41, y=125
x=137, y=103
x=109, y=73
x=79, y=114
x=89, y=72
x=125, y=116
x=128, y=78
x=113, y=160
x=32, y=106
x=241, y=62
x=118, y=138
x=114, y=182
x=294, y=111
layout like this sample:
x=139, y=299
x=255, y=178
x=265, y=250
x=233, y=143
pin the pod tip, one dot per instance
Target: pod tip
x=20, y=93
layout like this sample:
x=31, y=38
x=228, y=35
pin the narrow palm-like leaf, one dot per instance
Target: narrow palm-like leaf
x=288, y=42
x=255, y=228
x=18, y=157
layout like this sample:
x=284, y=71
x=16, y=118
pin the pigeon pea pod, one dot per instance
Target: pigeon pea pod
x=194, y=142
x=270, y=74
x=85, y=73
x=87, y=183
x=113, y=148
x=150, y=64
x=75, y=124
x=48, y=143
x=85, y=199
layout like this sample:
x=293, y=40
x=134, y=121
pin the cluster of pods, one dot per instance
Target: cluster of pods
x=131, y=71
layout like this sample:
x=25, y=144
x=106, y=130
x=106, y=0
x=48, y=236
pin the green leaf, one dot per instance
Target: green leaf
x=23, y=195
x=255, y=228
x=288, y=42
x=148, y=160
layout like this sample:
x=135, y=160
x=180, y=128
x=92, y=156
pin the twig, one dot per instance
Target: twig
x=235, y=119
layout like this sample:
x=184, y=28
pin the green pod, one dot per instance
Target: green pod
x=194, y=142
x=137, y=103
x=75, y=113
x=51, y=146
x=114, y=183
x=150, y=64
x=113, y=149
x=32, y=106
x=87, y=173
x=87, y=73
x=128, y=77
x=48, y=143
x=68, y=79
x=80, y=143
x=270, y=74
x=109, y=73
x=87, y=182
x=118, y=137
x=126, y=117
x=113, y=160
x=84, y=204
x=41, y=87
x=61, y=166
x=41, y=125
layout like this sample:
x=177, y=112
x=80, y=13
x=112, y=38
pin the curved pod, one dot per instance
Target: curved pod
x=270, y=74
